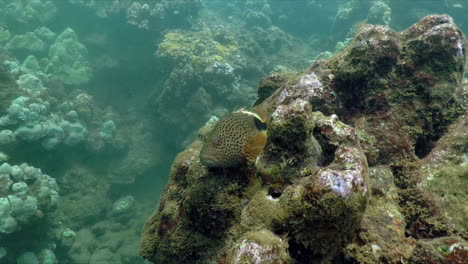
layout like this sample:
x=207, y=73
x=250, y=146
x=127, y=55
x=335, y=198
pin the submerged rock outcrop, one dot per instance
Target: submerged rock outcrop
x=345, y=175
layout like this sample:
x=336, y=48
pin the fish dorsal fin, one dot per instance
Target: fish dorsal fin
x=238, y=109
x=254, y=146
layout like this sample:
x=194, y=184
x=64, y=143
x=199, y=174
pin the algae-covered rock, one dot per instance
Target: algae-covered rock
x=400, y=82
x=260, y=247
x=441, y=250
x=375, y=108
x=191, y=229
x=262, y=211
x=382, y=232
x=178, y=46
x=220, y=206
x=331, y=195
x=445, y=172
x=203, y=69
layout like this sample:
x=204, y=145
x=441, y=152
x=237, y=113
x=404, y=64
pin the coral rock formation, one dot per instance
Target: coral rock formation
x=343, y=176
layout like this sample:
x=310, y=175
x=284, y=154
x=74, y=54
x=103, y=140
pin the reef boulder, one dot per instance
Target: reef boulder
x=376, y=108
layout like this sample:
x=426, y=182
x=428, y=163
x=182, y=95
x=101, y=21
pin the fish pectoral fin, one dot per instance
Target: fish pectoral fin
x=255, y=145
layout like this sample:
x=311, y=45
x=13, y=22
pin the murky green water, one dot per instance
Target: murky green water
x=98, y=96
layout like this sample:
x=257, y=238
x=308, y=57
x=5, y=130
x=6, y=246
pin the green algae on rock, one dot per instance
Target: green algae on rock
x=445, y=172
x=382, y=232
x=198, y=49
x=218, y=206
x=260, y=247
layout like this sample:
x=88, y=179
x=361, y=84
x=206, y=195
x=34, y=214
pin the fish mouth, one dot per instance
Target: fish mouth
x=208, y=159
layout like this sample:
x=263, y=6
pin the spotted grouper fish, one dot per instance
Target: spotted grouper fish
x=238, y=137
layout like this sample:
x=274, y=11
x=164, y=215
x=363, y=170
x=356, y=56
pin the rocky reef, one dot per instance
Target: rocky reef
x=147, y=15
x=212, y=69
x=365, y=162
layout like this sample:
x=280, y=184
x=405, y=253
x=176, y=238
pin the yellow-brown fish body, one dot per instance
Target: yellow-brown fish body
x=238, y=137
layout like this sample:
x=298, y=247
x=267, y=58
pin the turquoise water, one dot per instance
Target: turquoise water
x=98, y=96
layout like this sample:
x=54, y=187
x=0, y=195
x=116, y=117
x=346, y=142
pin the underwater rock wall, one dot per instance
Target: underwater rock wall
x=350, y=170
